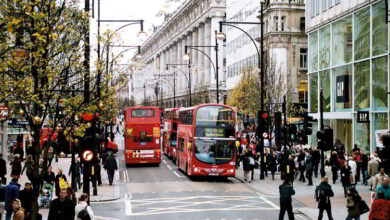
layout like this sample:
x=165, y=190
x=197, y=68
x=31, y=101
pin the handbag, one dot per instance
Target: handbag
x=363, y=207
x=83, y=214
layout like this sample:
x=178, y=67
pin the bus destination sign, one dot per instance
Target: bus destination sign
x=214, y=132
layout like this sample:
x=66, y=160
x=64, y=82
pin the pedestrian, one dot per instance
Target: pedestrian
x=378, y=179
x=71, y=195
x=302, y=165
x=18, y=149
x=353, y=165
x=380, y=208
x=60, y=182
x=272, y=164
x=286, y=191
x=373, y=169
x=251, y=164
x=323, y=193
x=353, y=200
x=18, y=210
x=110, y=166
x=77, y=174
x=3, y=170
x=83, y=205
x=49, y=176
x=335, y=165
x=26, y=198
x=11, y=192
x=117, y=130
x=316, y=158
x=290, y=169
x=385, y=188
x=345, y=173
x=246, y=165
x=309, y=167
x=29, y=167
x=61, y=208
x=364, y=167
x=356, y=157
x=339, y=147
x=16, y=169
x=98, y=170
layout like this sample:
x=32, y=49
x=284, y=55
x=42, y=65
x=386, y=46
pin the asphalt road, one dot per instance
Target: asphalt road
x=162, y=192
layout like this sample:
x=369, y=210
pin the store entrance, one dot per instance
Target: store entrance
x=343, y=132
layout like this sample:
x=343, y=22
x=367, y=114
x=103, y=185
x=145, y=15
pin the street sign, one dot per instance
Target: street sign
x=3, y=112
x=363, y=117
x=87, y=155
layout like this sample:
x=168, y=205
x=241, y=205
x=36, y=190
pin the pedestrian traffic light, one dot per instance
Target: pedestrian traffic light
x=325, y=139
x=307, y=125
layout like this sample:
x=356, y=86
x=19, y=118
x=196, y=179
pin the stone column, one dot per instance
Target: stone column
x=200, y=55
x=207, y=42
x=195, y=59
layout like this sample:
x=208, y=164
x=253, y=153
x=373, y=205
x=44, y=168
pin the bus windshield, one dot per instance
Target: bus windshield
x=215, y=116
x=142, y=113
x=214, y=151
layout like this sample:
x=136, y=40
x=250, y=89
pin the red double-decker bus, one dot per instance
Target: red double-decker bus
x=171, y=121
x=142, y=135
x=206, y=141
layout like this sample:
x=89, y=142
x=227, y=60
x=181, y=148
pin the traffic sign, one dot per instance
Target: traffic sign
x=87, y=156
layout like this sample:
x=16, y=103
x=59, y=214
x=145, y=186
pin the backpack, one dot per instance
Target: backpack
x=321, y=196
x=83, y=214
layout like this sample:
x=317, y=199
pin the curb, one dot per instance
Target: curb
x=106, y=200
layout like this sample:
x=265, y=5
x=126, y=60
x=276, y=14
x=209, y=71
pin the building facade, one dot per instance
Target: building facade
x=285, y=44
x=348, y=60
x=162, y=74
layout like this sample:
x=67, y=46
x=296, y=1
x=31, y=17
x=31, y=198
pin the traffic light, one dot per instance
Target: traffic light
x=89, y=145
x=262, y=123
x=325, y=139
x=307, y=125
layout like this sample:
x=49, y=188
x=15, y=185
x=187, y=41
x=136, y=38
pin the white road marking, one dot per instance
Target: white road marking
x=127, y=177
x=169, y=167
x=269, y=202
x=128, y=208
x=164, y=161
x=177, y=174
x=124, y=176
x=300, y=217
x=104, y=218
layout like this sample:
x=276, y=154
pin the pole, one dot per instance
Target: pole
x=86, y=93
x=189, y=80
x=174, y=87
x=216, y=66
x=261, y=65
x=322, y=128
x=144, y=94
x=98, y=53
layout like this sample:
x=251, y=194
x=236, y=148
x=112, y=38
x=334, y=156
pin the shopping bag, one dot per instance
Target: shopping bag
x=363, y=207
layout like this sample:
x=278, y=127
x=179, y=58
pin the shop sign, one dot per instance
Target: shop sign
x=363, y=117
x=342, y=88
x=3, y=112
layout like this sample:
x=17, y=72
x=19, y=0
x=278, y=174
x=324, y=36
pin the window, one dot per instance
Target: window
x=342, y=41
x=302, y=26
x=312, y=8
x=276, y=23
x=283, y=20
x=324, y=47
x=330, y=3
x=313, y=86
x=325, y=85
x=342, y=87
x=336, y=2
x=313, y=51
x=181, y=144
x=379, y=30
x=379, y=83
x=266, y=26
x=303, y=58
x=317, y=7
x=142, y=113
x=362, y=34
x=324, y=5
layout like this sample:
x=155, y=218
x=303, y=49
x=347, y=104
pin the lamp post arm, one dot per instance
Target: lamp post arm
x=211, y=61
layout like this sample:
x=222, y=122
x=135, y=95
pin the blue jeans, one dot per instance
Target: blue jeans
x=350, y=218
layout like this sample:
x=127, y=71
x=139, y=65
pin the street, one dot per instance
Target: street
x=163, y=192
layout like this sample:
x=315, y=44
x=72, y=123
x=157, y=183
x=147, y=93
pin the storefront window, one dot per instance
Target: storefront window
x=342, y=41
x=379, y=123
x=313, y=51
x=362, y=34
x=362, y=136
x=342, y=87
x=379, y=29
x=313, y=82
x=325, y=85
x=324, y=53
x=362, y=85
x=379, y=83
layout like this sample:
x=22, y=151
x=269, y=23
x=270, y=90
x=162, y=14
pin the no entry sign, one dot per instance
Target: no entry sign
x=87, y=155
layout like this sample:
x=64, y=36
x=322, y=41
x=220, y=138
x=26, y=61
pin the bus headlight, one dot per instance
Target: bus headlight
x=230, y=171
x=196, y=169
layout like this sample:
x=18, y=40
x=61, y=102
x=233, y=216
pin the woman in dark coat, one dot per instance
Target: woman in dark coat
x=345, y=177
x=335, y=164
x=246, y=166
x=16, y=167
x=272, y=164
x=325, y=192
x=353, y=200
x=57, y=181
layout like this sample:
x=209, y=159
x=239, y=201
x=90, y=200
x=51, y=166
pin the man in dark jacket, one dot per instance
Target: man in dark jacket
x=111, y=166
x=323, y=193
x=302, y=166
x=364, y=167
x=3, y=169
x=316, y=157
x=286, y=191
x=26, y=197
x=77, y=172
x=11, y=193
x=309, y=167
x=61, y=208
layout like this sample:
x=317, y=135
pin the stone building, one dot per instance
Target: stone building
x=194, y=24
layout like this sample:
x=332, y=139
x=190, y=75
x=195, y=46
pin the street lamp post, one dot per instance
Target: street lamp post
x=260, y=64
x=174, y=79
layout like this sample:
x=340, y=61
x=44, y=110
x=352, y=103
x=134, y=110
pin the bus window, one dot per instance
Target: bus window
x=214, y=151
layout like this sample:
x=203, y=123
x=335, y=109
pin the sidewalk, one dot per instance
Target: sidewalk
x=105, y=191
x=305, y=194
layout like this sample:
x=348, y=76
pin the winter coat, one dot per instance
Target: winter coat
x=16, y=168
x=49, y=178
x=353, y=205
x=271, y=163
x=11, y=193
x=19, y=150
x=380, y=209
x=26, y=196
x=77, y=167
x=353, y=166
x=378, y=180
x=29, y=167
x=373, y=167
x=334, y=163
x=309, y=163
x=61, y=210
x=324, y=201
x=18, y=214
x=286, y=191
x=81, y=206
x=245, y=163
x=364, y=163
x=345, y=176
x=386, y=191
x=57, y=182
x=3, y=167
x=316, y=157
x=110, y=164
